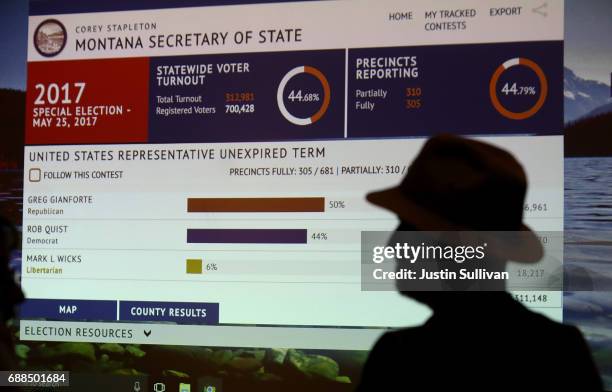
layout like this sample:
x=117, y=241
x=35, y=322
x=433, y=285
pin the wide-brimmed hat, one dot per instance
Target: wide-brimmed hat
x=460, y=184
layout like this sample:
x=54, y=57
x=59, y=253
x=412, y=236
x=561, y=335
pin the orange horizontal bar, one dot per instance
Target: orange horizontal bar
x=257, y=204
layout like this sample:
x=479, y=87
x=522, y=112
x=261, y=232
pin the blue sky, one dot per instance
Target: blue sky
x=13, y=36
x=588, y=43
x=588, y=38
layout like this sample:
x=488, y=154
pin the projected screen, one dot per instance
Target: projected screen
x=196, y=176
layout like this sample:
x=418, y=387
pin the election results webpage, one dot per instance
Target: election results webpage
x=197, y=175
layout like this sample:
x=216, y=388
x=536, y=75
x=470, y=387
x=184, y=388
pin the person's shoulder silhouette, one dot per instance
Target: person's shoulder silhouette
x=10, y=294
x=493, y=344
x=475, y=340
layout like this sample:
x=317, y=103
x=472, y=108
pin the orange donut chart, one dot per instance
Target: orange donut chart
x=326, y=95
x=493, y=88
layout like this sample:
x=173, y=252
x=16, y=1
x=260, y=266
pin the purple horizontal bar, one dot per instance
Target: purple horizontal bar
x=246, y=236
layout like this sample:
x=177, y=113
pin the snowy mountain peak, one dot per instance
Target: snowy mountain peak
x=583, y=96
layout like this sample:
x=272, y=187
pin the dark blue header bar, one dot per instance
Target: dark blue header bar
x=69, y=310
x=175, y=312
x=54, y=7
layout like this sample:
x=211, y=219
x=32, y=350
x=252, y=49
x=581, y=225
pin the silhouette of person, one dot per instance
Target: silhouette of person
x=482, y=339
x=10, y=294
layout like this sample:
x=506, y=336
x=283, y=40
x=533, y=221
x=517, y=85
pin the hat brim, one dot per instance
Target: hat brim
x=525, y=246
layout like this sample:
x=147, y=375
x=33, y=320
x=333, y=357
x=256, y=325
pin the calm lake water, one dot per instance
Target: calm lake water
x=588, y=226
x=588, y=194
x=11, y=194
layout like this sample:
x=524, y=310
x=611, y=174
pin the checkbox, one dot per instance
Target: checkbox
x=35, y=175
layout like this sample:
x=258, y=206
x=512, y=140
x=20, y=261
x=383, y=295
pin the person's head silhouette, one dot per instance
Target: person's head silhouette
x=465, y=189
x=460, y=184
